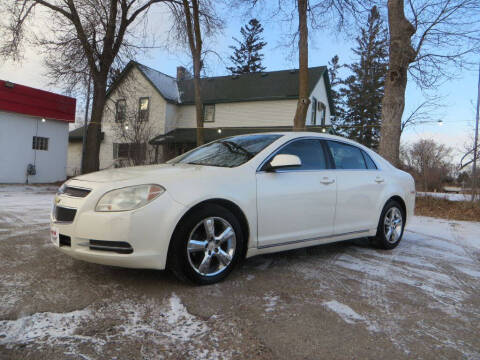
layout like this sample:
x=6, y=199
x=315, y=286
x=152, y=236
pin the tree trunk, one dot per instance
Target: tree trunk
x=92, y=150
x=194, y=35
x=401, y=55
x=198, y=108
x=303, y=93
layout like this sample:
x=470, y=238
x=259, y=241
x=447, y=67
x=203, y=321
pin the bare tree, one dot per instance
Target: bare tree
x=194, y=20
x=428, y=111
x=429, y=162
x=431, y=35
x=86, y=37
x=132, y=138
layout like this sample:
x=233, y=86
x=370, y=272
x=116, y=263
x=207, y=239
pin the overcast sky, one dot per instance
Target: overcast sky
x=460, y=94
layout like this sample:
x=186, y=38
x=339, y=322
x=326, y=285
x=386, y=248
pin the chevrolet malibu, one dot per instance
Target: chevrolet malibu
x=203, y=212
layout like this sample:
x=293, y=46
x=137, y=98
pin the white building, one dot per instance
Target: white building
x=163, y=107
x=33, y=134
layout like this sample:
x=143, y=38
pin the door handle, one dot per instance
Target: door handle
x=327, y=181
x=379, y=179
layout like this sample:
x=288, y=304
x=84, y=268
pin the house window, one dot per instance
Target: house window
x=322, y=109
x=130, y=151
x=40, y=143
x=313, y=120
x=209, y=113
x=120, y=110
x=143, y=108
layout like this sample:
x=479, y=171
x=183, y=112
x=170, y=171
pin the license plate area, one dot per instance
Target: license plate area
x=55, y=236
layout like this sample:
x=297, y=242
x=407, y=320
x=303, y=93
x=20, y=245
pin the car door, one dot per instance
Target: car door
x=359, y=186
x=296, y=204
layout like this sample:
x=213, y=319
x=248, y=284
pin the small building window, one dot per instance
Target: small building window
x=143, y=108
x=40, y=143
x=313, y=120
x=322, y=109
x=120, y=110
x=209, y=113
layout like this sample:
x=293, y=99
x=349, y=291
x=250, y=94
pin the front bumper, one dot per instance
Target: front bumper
x=148, y=231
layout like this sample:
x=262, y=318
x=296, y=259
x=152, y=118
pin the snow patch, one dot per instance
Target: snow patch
x=271, y=302
x=344, y=311
x=45, y=327
x=168, y=325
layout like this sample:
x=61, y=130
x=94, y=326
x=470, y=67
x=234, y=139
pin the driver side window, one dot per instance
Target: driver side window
x=310, y=152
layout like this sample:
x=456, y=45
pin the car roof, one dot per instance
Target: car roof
x=298, y=134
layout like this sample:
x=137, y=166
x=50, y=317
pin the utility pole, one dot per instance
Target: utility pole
x=475, y=146
x=85, y=124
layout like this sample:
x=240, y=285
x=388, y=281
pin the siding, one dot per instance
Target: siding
x=16, y=134
x=74, y=158
x=243, y=114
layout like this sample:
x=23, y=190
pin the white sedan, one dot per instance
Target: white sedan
x=203, y=212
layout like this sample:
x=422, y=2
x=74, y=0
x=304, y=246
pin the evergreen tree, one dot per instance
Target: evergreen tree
x=363, y=91
x=247, y=57
x=336, y=92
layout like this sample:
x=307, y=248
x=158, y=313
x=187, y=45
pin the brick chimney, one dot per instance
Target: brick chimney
x=182, y=73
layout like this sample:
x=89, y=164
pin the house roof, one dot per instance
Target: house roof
x=272, y=85
x=26, y=100
x=166, y=85
x=77, y=135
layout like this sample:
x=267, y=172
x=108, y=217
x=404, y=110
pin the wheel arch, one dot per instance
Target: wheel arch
x=402, y=203
x=229, y=205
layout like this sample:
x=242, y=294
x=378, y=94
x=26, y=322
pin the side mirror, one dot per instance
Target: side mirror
x=282, y=161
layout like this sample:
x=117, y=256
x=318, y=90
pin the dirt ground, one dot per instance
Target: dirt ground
x=339, y=301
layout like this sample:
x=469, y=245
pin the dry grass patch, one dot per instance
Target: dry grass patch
x=446, y=209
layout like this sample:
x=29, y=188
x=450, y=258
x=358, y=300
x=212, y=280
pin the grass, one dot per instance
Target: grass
x=446, y=209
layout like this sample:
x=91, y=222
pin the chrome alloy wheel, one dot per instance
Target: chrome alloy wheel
x=392, y=225
x=211, y=246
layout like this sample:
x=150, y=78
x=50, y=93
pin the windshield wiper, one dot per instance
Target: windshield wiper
x=230, y=145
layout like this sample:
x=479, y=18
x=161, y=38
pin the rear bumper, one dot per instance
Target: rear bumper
x=148, y=230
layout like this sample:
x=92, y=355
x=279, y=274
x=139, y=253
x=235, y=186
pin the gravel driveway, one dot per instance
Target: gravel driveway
x=339, y=301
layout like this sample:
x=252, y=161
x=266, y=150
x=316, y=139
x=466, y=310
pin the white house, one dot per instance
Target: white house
x=164, y=108
x=33, y=134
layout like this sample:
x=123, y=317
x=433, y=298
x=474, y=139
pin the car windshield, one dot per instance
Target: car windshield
x=228, y=152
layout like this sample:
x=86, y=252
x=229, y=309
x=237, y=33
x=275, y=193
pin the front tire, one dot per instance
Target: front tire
x=207, y=245
x=391, y=225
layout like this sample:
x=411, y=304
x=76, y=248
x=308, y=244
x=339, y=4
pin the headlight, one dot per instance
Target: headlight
x=129, y=198
x=62, y=188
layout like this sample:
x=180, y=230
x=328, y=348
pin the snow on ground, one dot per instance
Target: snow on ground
x=447, y=196
x=167, y=324
x=344, y=311
x=423, y=292
x=435, y=269
x=24, y=209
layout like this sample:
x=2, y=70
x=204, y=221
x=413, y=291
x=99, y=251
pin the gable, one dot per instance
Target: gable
x=165, y=85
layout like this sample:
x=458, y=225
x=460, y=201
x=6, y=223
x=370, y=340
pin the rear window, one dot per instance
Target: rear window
x=346, y=156
x=370, y=164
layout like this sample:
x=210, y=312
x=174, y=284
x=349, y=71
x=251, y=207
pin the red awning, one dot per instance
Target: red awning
x=29, y=101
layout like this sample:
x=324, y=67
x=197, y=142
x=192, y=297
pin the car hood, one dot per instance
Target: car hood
x=151, y=173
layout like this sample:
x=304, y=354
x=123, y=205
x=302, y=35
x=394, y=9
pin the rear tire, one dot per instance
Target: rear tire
x=390, y=226
x=206, y=246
